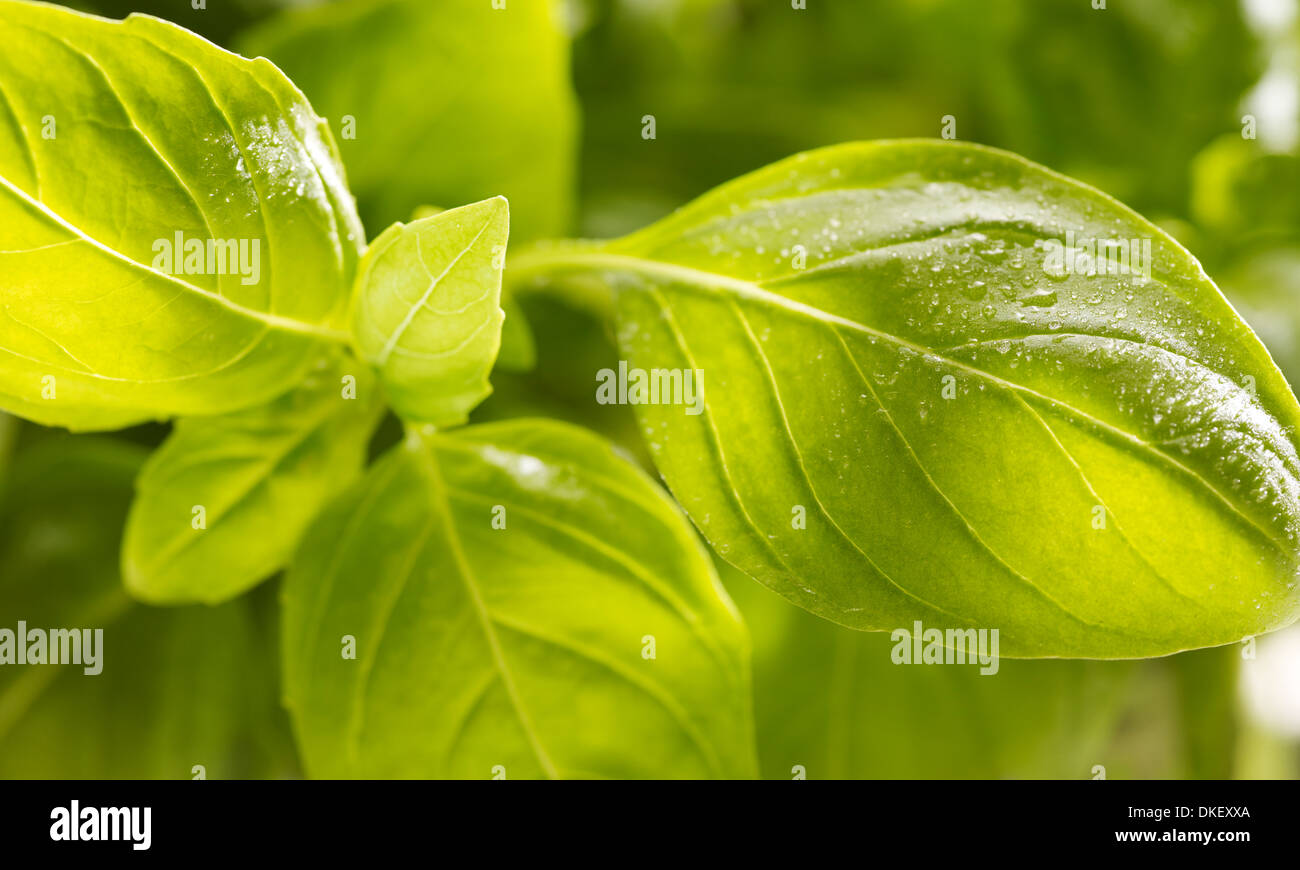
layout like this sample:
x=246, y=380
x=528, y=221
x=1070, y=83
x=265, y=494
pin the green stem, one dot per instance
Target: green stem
x=563, y=271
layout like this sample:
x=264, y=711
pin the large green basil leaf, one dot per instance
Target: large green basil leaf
x=830, y=703
x=259, y=477
x=176, y=688
x=523, y=602
x=125, y=147
x=440, y=102
x=426, y=310
x=972, y=432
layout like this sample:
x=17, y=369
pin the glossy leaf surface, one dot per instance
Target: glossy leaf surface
x=175, y=233
x=523, y=603
x=921, y=405
x=427, y=310
x=221, y=504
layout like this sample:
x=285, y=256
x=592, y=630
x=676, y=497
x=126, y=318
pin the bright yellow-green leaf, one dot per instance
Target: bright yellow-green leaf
x=221, y=504
x=519, y=601
x=918, y=402
x=175, y=233
x=426, y=310
x=518, y=350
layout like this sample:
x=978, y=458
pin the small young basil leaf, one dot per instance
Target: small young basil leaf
x=175, y=233
x=426, y=310
x=518, y=349
x=918, y=403
x=174, y=689
x=512, y=600
x=835, y=703
x=439, y=102
x=221, y=504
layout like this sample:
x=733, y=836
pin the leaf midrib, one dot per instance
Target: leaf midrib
x=694, y=278
x=434, y=281
x=441, y=506
x=267, y=465
x=271, y=321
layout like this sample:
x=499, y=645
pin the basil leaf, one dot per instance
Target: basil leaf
x=176, y=688
x=833, y=702
x=439, y=102
x=518, y=352
x=426, y=310
x=221, y=504
x=175, y=233
x=973, y=434
x=524, y=648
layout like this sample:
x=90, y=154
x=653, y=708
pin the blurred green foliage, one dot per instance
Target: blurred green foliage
x=218, y=20
x=831, y=700
x=179, y=688
x=1123, y=98
x=451, y=103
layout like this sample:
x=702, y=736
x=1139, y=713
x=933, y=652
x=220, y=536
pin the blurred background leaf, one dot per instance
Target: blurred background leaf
x=453, y=102
x=1245, y=205
x=218, y=20
x=1123, y=98
x=832, y=700
x=183, y=687
x=1265, y=287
